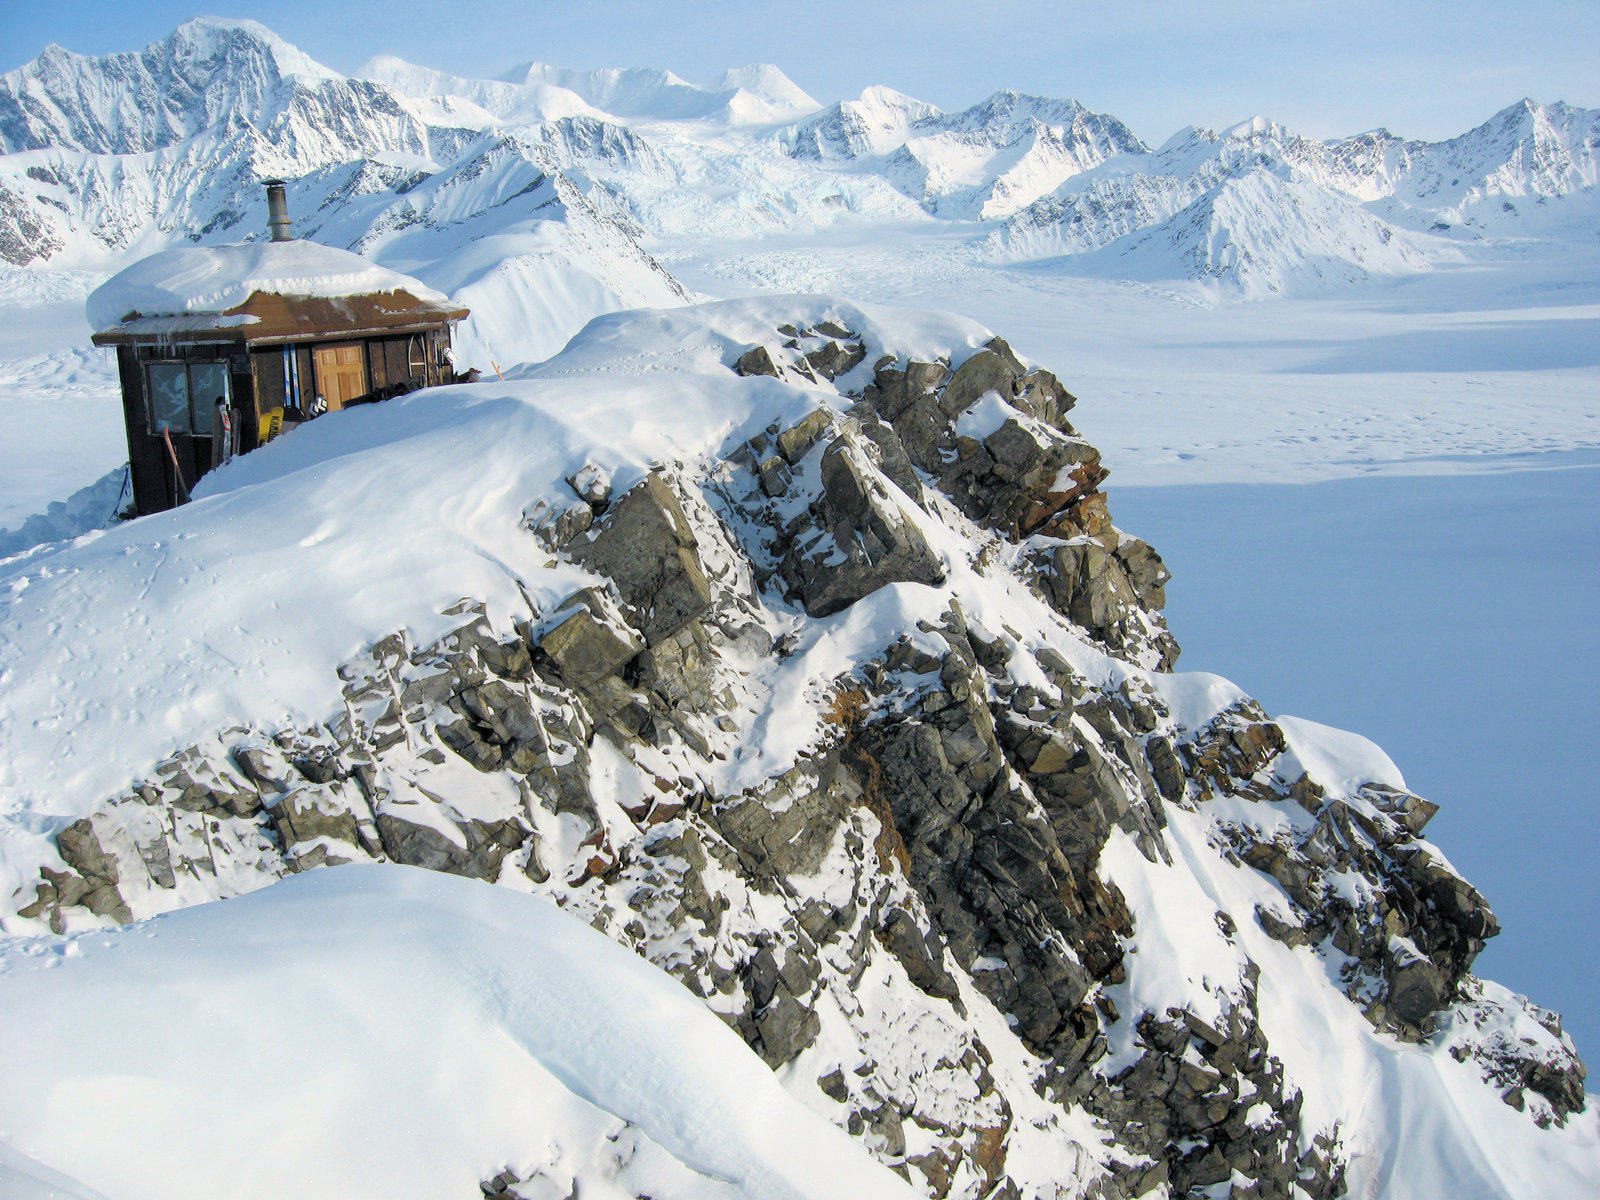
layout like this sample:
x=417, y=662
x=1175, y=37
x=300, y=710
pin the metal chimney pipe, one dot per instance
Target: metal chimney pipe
x=278, y=223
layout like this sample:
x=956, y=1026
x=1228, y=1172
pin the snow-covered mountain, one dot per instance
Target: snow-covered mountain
x=875, y=123
x=205, y=73
x=987, y=161
x=1239, y=208
x=1267, y=210
x=114, y=156
x=753, y=95
x=790, y=644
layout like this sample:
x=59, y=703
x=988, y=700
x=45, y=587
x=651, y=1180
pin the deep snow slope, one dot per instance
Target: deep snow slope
x=790, y=643
x=526, y=1041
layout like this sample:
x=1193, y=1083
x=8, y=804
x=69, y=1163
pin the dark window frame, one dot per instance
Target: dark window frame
x=197, y=423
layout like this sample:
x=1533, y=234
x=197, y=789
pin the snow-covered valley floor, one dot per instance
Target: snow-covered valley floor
x=1358, y=495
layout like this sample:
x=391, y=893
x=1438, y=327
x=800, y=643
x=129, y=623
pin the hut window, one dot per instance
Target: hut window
x=183, y=396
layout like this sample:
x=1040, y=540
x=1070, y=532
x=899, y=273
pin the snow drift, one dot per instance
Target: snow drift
x=524, y=1042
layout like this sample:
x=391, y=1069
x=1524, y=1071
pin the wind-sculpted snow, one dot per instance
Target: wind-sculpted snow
x=526, y=1044
x=790, y=643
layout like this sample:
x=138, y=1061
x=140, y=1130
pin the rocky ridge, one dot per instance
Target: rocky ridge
x=938, y=917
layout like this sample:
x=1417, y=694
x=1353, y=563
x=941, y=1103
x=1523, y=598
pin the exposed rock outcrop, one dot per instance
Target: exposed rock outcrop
x=931, y=904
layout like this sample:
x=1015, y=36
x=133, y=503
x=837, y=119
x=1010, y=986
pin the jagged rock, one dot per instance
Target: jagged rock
x=1145, y=571
x=1166, y=768
x=80, y=847
x=646, y=547
x=986, y=371
x=1280, y=930
x=786, y=828
x=919, y=953
x=1031, y=475
x=592, y=484
x=1092, y=585
x=864, y=539
x=1418, y=988
x=757, y=361
x=317, y=765
x=836, y=358
x=1040, y=395
x=891, y=457
x=306, y=816
x=796, y=442
x=774, y=476
x=486, y=845
x=680, y=672
x=266, y=771
x=200, y=787
x=586, y=645
x=1412, y=812
x=894, y=389
x=987, y=863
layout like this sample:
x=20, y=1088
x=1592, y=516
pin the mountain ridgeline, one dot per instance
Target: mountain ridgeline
x=106, y=157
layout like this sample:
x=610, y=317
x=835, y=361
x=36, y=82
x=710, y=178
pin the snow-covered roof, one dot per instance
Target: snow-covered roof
x=192, y=280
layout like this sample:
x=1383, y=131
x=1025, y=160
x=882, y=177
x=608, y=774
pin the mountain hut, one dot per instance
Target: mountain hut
x=222, y=348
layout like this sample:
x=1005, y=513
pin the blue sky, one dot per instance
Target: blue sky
x=1424, y=69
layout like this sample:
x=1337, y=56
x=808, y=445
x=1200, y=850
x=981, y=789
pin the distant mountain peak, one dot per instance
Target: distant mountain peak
x=769, y=84
x=218, y=35
x=877, y=93
x=752, y=95
x=1255, y=126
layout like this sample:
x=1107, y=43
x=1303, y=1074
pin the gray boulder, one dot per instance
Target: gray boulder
x=486, y=845
x=861, y=540
x=645, y=546
x=590, y=642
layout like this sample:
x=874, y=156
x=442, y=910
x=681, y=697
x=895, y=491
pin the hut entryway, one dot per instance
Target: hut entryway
x=341, y=373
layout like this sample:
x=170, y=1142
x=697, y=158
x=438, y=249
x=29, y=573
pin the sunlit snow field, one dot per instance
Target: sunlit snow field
x=1380, y=508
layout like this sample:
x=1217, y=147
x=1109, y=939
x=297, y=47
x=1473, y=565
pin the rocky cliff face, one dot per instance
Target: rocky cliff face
x=865, y=729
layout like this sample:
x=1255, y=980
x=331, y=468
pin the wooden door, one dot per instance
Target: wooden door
x=341, y=373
